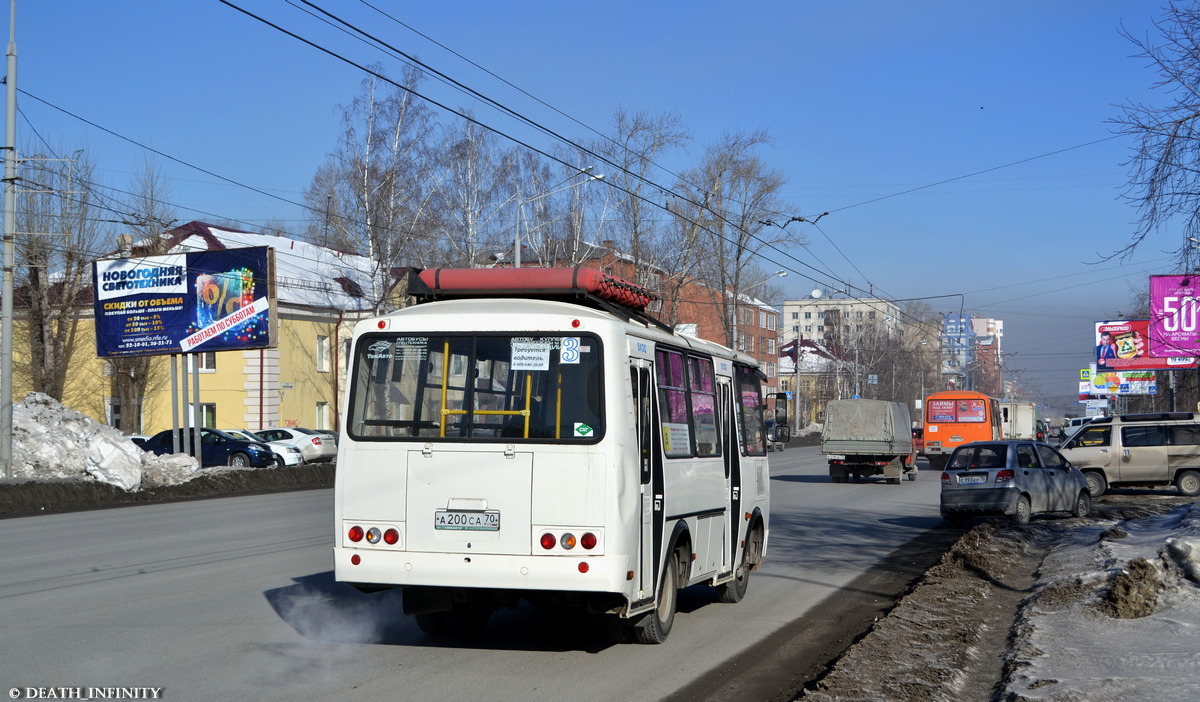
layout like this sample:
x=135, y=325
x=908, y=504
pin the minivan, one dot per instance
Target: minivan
x=1154, y=449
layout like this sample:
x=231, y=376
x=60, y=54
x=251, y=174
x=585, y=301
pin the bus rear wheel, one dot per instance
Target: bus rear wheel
x=656, y=626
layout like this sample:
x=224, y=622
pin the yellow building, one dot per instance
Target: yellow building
x=298, y=382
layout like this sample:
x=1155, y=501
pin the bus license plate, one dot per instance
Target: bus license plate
x=972, y=480
x=463, y=520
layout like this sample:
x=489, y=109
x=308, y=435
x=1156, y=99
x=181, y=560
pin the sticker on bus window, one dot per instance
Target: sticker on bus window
x=677, y=439
x=569, y=353
x=530, y=355
x=412, y=348
x=379, y=350
x=583, y=430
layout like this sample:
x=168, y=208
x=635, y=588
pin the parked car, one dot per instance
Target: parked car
x=1156, y=449
x=285, y=453
x=138, y=439
x=317, y=446
x=1014, y=478
x=217, y=449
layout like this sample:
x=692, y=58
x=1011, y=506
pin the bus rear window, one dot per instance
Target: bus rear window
x=957, y=411
x=485, y=387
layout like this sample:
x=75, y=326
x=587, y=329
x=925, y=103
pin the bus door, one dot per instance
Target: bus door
x=733, y=475
x=651, y=470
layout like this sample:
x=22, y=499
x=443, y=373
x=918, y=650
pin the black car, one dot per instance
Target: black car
x=217, y=449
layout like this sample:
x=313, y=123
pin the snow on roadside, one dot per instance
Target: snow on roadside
x=1116, y=614
x=52, y=442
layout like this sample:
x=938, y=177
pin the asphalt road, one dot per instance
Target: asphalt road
x=234, y=599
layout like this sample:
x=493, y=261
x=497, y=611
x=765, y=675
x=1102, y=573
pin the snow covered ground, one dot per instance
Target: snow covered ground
x=1116, y=615
x=51, y=442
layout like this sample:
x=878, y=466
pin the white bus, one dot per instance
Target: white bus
x=531, y=433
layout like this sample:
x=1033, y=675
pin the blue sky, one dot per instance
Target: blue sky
x=880, y=112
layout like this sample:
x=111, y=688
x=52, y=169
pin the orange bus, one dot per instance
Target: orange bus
x=956, y=417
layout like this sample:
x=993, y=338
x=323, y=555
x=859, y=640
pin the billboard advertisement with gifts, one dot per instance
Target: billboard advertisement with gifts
x=185, y=303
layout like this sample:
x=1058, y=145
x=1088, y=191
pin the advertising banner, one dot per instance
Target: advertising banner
x=1124, y=345
x=1174, y=331
x=185, y=303
x=1142, y=382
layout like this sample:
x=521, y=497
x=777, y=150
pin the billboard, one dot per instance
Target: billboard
x=1140, y=382
x=1174, y=331
x=1124, y=346
x=185, y=303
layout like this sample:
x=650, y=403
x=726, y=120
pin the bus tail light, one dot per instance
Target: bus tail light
x=583, y=566
x=374, y=535
x=567, y=541
x=391, y=536
x=548, y=541
x=588, y=541
x=356, y=534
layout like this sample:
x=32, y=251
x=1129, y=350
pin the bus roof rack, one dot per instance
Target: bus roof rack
x=579, y=285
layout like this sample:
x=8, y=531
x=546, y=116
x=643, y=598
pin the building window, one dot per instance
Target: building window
x=770, y=345
x=808, y=315
x=323, y=416
x=796, y=315
x=807, y=328
x=322, y=354
x=820, y=327
x=871, y=314
x=795, y=329
x=204, y=362
x=208, y=414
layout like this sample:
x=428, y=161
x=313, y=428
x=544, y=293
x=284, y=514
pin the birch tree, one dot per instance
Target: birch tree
x=373, y=194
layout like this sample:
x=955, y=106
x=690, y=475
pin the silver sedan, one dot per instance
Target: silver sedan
x=1014, y=478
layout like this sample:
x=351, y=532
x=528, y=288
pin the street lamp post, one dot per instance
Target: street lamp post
x=554, y=191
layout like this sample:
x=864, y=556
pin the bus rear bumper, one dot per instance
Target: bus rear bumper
x=505, y=572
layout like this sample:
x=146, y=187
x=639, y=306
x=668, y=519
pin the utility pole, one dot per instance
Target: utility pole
x=10, y=229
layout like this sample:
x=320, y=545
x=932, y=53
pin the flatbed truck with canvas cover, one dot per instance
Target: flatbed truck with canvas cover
x=864, y=438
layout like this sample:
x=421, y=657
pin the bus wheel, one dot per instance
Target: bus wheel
x=655, y=626
x=734, y=590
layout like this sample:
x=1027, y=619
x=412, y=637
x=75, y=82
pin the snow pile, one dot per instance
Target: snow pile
x=52, y=442
x=1116, y=616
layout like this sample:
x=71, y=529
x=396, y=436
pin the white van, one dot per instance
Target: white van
x=1138, y=449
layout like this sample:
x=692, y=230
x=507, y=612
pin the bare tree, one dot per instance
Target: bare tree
x=1165, y=170
x=57, y=234
x=637, y=142
x=150, y=215
x=372, y=196
x=471, y=193
x=735, y=196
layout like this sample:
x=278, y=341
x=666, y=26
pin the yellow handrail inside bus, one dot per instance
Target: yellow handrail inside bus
x=446, y=412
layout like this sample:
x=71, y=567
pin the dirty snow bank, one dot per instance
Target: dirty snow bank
x=1115, y=616
x=52, y=442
